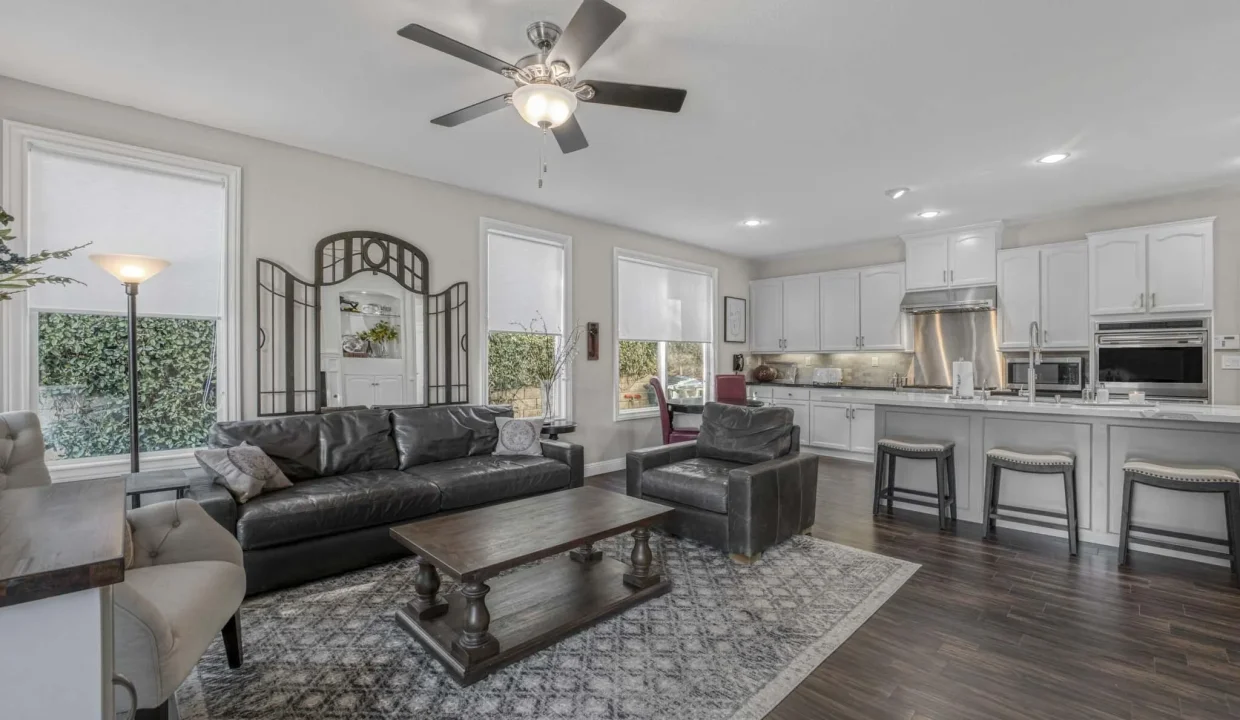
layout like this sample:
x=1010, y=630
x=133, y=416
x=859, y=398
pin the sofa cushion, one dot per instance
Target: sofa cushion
x=469, y=481
x=331, y=505
x=698, y=482
x=743, y=434
x=429, y=435
x=292, y=441
x=355, y=441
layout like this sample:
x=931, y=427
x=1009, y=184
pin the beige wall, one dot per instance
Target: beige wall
x=1223, y=203
x=291, y=198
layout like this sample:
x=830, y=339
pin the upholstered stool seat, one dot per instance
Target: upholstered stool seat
x=1183, y=478
x=1051, y=463
x=943, y=455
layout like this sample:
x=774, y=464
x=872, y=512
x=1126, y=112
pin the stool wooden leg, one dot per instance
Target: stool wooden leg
x=879, y=463
x=891, y=482
x=1125, y=519
x=1232, y=498
x=951, y=482
x=1069, y=493
x=988, y=504
x=940, y=476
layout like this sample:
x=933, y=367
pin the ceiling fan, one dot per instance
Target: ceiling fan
x=547, y=86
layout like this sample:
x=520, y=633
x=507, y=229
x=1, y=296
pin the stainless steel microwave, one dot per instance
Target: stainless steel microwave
x=1056, y=373
x=1168, y=359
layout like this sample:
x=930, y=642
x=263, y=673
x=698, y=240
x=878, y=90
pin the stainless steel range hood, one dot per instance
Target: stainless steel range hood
x=970, y=299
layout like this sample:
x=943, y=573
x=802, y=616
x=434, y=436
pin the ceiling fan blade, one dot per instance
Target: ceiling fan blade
x=590, y=27
x=443, y=43
x=644, y=97
x=476, y=110
x=570, y=137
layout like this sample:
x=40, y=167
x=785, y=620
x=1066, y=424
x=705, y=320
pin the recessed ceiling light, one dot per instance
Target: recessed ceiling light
x=927, y=214
x=1053, y=158
x=753, y=222
x=897, y=193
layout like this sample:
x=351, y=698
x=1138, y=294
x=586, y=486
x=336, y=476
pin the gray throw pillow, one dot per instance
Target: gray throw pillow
x=743, y=434
x=519, y=436
x=245, y=470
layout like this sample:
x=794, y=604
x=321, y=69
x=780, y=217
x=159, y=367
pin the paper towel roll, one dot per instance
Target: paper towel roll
x=962, y=378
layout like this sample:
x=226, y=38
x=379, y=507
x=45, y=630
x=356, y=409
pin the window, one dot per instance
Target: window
x=528, y=319
x=665, y=329
x=71, y=365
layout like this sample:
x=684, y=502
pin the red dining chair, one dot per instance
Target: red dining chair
x=730, y=388
x=665, y=417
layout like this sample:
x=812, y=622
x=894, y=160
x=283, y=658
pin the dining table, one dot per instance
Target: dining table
x=694, y=406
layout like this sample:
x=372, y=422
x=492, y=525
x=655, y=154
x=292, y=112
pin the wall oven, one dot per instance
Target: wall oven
x=1056, y=374
x=1167, y=360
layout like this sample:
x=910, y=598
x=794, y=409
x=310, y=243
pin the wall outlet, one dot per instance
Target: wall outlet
x=1231, y=361
x=873, y=362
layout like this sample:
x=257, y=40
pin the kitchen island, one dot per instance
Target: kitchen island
x=1101, y=436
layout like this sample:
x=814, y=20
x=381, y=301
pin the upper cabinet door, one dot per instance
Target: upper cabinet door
x=882, y=323
x=1065, y=296
x=971, y=255
x=801, y=314
x=1181, y=264
x=1018, y=296
x=838, y=311
x=925, y=261
x=1117, y=272
x=766, y=314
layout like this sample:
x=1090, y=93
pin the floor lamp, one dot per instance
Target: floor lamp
x=132, y=270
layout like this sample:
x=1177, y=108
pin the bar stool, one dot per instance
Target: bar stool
x=1185, y=479
x=942, y=453
x=1000, y=459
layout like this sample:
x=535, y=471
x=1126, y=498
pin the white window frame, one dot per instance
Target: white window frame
x=708, y=354
x=486, y=226
x=18, y=386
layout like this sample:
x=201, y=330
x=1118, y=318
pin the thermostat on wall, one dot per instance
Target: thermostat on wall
x=1227, y=342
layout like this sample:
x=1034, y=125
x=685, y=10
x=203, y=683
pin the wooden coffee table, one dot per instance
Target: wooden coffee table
x=534, y=606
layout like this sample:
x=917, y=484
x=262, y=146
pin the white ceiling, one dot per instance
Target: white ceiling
x=800, y=113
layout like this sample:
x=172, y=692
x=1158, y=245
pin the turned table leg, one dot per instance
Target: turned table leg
x=585, y=554
x=641, y=577
x=427, y=604
x=475, y=642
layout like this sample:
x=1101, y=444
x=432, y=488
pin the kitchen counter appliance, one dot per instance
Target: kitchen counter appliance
x=1167, y=360
x=1056, y=373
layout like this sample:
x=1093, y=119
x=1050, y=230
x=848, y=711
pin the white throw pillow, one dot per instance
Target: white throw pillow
x=245, y=470
x=519, y=436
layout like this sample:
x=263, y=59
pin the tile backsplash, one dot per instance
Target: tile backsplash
x=858, y=368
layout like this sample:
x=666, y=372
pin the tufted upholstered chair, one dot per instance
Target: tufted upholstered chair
x=21, y=451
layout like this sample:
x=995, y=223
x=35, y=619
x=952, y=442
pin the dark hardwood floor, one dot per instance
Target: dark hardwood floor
x=1014, y=628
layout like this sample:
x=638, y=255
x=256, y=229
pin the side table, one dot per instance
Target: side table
x=143, y=483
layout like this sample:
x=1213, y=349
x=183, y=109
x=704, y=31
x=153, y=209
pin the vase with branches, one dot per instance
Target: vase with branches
x=22, y=272
x=551, y=370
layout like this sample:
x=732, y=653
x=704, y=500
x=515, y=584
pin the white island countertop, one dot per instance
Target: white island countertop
x=1229, y=414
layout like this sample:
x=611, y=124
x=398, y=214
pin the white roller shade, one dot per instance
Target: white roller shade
x=125, y=210
x=525, y=279
x=657, y=302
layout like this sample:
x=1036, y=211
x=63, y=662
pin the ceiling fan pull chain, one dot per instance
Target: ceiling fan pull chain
x=542, y=164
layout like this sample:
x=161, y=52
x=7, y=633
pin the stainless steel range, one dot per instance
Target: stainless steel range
x=1167, y=360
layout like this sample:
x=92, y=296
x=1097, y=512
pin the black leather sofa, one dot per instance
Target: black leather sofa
x=356, y=473
x=742, y=486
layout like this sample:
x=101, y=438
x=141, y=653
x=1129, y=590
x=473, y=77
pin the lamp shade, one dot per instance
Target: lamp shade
x=130, y=268
x=544, y=106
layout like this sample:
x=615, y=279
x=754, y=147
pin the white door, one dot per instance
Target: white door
x=971, y=257
x=925, y=262
x=801, y=314
x=882, y=323
x=838, y=311
x=1117, y=273
x=390, y=390
x=766, y=314
x=1065, y=296
x=359, y=390
x=830, y=426
x=1181, y=267
x=862, y=429
x=800, y=415
x=1018, y=296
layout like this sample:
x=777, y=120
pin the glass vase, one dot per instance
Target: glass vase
x=548, y=396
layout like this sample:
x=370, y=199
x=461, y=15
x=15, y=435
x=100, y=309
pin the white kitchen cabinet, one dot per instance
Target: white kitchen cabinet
x=1019, y=295
x=800, y=414
x=801, y=314
x=839, y=311
x=1065, y=296
x=374, y=390
x=1152, y=270
x=881, y=323
x=925, y=260
x=956, y=258
x=830, y=426
x=862, y=429
x=766, y=314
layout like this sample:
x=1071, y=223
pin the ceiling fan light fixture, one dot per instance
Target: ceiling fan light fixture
x=543, y=105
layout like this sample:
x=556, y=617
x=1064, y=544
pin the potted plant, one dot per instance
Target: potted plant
x=549, y=372
x=379, y=338
x=22, y=272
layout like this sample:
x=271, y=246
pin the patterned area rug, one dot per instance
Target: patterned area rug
x=729, y=641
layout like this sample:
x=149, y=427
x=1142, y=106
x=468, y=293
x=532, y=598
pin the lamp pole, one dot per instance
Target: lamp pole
x=131, y=290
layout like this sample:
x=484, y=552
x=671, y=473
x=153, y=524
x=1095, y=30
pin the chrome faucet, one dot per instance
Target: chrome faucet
x=1035, y=357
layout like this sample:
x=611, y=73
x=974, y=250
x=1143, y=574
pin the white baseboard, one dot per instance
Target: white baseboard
x=604, y=466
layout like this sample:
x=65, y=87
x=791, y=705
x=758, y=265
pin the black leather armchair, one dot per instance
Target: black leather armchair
x=742, y=486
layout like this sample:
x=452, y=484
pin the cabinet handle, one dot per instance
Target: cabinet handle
x=944, y=276
x=1153, y=300
x=1141, y=300
x=862, y=341
x=953, y=276
x=1046, y=335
